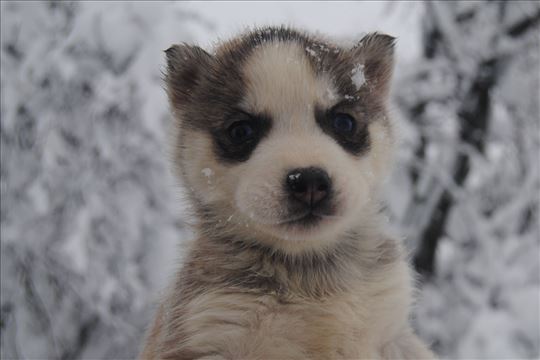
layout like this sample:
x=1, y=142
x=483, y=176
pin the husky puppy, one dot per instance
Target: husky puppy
x=283, y=139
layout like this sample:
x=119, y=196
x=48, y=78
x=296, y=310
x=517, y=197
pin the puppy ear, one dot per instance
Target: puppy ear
x=185, y=66
x=376, y=53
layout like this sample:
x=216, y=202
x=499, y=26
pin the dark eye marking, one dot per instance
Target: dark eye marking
x=239, y=136
x=351, y=133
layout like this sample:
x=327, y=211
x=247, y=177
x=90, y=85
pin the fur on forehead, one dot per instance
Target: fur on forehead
x=196, y=77
x=281, y=82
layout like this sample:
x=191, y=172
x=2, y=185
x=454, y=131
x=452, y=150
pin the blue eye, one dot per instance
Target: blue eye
x=241, y=132
x=343, y=123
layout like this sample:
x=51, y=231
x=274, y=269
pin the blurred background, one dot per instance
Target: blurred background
x=92, y=220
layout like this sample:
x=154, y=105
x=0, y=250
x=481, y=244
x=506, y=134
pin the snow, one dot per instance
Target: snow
x=207, y=172
x=294, y=176
x=312, y=53
x=358, y=77
x=93, y=223
x=489, y=251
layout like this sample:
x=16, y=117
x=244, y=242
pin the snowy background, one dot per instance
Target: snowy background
x=91, y=217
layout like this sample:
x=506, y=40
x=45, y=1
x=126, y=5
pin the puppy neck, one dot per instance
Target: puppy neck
x=235, y=260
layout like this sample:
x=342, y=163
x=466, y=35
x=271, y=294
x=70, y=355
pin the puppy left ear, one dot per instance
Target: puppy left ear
x=376, y=53
x=186, y=65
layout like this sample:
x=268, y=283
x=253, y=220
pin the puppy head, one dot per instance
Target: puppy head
x=282, y=137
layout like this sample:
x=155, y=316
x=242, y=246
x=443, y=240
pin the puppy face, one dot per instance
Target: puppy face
x=282, y=136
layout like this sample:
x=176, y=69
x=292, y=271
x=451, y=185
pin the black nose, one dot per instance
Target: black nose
x=309, y=185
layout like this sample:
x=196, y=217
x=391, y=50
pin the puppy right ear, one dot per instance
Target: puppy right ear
x=185, y=67
x=376, y=52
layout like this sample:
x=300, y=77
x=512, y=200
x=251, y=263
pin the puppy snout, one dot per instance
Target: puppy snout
x=309, y=185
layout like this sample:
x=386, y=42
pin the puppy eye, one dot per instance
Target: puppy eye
x=343, y=123
x=241, y=132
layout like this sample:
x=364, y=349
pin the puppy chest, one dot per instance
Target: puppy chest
x=329, y=329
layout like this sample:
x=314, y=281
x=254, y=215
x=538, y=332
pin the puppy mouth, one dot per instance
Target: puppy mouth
x=308, y=219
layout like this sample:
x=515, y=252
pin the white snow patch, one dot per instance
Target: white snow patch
x=358, y=77
x=294, y=176
x=207, y=172
x=313, y=53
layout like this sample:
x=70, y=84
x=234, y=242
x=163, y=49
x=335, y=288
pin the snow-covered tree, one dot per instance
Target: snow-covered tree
x=88, y=211
x=471, y=166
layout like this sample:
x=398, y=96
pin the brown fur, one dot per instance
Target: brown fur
x=251, y=288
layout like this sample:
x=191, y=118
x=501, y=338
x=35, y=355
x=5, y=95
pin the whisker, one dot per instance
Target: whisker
x=328, y=216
